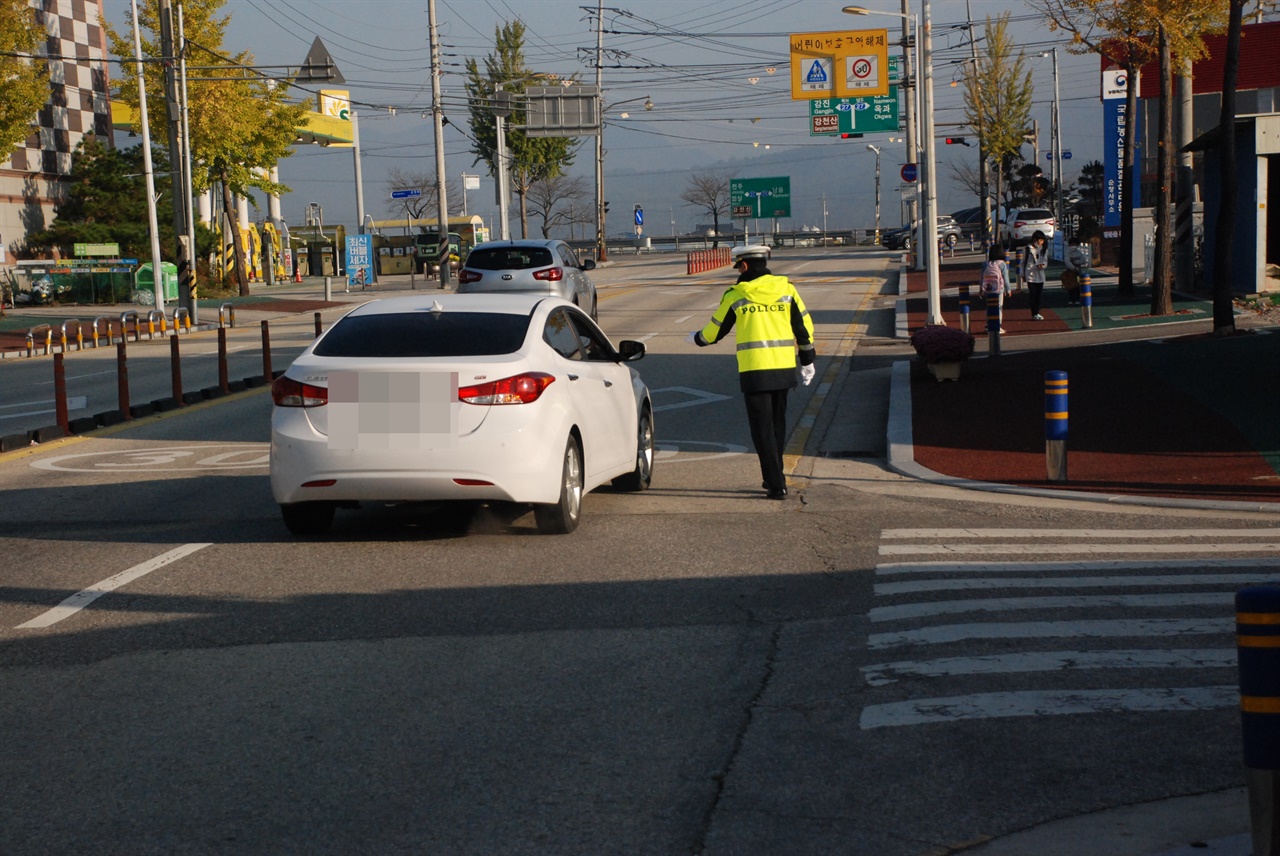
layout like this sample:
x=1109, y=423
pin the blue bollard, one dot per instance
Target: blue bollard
x=1055, y=425
x=964, y=306
x=993, y=324
x=1258, y=655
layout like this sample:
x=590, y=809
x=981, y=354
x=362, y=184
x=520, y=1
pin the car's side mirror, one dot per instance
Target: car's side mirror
x=630, y=350
x=587, y=264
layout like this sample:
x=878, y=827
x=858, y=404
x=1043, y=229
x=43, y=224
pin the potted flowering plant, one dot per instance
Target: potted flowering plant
x=943, y=348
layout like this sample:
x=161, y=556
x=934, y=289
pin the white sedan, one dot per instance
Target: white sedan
x=513, y=398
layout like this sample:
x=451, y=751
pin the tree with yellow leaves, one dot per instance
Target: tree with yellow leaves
x=242, y=122
x=24, y=78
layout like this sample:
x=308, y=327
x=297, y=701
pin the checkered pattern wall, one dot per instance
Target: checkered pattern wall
x=78, y=101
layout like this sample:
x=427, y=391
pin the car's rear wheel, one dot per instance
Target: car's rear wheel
x=642, y=476
x=307, y=518
x=562, y=517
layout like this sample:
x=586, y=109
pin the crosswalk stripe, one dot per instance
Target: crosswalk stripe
x=887, y=568
x=1014, y=604
x=1046, y=702
x=882, y=674
x=1068, y=549
x=1094, y=629
x=1065, y=582
x=1161, y=534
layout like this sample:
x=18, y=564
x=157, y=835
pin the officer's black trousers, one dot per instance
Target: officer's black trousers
x=767, y=415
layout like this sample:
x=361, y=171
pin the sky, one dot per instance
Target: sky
x=705, y=66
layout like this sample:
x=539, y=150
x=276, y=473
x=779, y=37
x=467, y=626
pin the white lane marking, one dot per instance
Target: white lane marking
x=684, y=319
x=81, y=599
x=74, y=377
x=74, y=403
x=696, y=397
x=1013, y=604
x=1097, y=629
x=668, y=449
x=887, y=568
x=1162, y=534
x=1043, y=702
x=1041, y=549
x=646, y=337
x=883, y=674
x=1067, y=582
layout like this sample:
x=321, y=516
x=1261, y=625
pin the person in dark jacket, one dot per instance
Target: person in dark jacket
x=769, y=320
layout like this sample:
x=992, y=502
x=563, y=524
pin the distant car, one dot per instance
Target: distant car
x=969, y=221
x=512, y=398
x=901, y=238
x=529, y=267
x=1022, y=223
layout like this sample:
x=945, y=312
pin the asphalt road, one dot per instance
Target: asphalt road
x=876, y=667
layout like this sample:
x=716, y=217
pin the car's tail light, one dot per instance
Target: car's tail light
x=465, y=275
x=1019, y=224
x=1050, y=222
x=554, y=274
x=521, y=389
x=287, y=392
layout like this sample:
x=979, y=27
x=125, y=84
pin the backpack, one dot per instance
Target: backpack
x=992, y=278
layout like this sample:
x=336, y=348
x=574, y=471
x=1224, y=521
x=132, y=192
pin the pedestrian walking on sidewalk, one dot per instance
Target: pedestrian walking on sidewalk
x=995, y=278
x=769, y=320
x=1035, y=261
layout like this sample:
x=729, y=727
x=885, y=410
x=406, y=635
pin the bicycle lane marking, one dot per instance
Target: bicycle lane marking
x=83, y=598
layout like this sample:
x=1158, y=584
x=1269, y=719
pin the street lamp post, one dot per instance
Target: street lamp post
x=601, y=239
x=927, y=249
x=874, y=148
x=502, y=108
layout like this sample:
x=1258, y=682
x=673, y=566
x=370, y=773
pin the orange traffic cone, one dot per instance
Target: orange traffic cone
x=297, y=273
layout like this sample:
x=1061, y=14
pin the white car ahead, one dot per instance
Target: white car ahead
x=515, y=398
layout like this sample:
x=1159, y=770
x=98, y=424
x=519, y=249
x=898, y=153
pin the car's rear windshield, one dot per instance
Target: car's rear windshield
x=1034, y=214
x=510, y=258
x=425, y=334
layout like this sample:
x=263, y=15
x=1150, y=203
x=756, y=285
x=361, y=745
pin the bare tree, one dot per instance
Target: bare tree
x=709, y=191
x=551, y=200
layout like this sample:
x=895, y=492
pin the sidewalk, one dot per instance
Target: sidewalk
x=1158, y=407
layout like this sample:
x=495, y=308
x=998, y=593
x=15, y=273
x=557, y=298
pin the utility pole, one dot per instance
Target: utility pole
x=437, y=113
x=177, y=164
x=601, y=241
x=153, y=228
x=909, y=85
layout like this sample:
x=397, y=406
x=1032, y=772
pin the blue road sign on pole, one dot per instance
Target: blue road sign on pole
x=406, y=194
x=639, y=216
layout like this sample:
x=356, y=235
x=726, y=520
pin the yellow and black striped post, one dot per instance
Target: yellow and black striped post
x=1086, y=300
x=993, y=324
x=1258, y=655
x=1055, y=425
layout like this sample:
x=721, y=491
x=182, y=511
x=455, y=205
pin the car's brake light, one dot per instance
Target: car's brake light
x=465, y=275
x=521, y=389
x=554, y=274
x=287, y=392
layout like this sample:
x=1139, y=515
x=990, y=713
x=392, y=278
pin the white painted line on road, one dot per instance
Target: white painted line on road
x=888, y=568
x=1162, y=534
x=684, y=319
x=1096, y=629
x=883, y=674
x=646, y=337
x=1014, y=604
x=1041, y=549
x=981, y=583
x=74, y=377
x=1046, y=702
x=74, y=403
x=81, y=599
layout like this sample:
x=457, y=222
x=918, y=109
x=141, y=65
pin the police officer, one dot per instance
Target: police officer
x=770, y=320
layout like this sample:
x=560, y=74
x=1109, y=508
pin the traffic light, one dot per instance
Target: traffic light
x=850, y=136
x=957, y=141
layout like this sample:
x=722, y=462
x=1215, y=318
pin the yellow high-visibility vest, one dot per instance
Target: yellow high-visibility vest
x=761, y=311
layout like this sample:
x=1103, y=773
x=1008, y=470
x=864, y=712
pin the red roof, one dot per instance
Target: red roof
x=1259, y=62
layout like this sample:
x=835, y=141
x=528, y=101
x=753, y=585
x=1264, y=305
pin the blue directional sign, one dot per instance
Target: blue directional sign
x=639, y=216
x=406, y=194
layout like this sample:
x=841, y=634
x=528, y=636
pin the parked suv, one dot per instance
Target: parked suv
x=534, y=267
x=1022, y=223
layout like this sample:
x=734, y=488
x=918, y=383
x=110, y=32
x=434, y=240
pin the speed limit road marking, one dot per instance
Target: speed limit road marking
x=227, y=456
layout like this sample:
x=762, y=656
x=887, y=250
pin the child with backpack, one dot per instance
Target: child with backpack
x=995, y=278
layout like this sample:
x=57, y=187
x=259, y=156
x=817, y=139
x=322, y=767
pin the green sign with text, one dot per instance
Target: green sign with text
x=760, y=197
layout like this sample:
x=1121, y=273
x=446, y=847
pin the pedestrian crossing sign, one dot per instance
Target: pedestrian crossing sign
x=841, y=64
x=817, y=74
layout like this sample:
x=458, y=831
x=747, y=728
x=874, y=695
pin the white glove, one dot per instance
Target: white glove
x=692, y=338
x=807, y=373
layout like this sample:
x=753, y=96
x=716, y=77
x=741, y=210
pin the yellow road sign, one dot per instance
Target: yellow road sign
x=840, y=64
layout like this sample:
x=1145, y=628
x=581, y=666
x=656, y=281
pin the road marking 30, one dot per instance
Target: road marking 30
x=240, y=457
